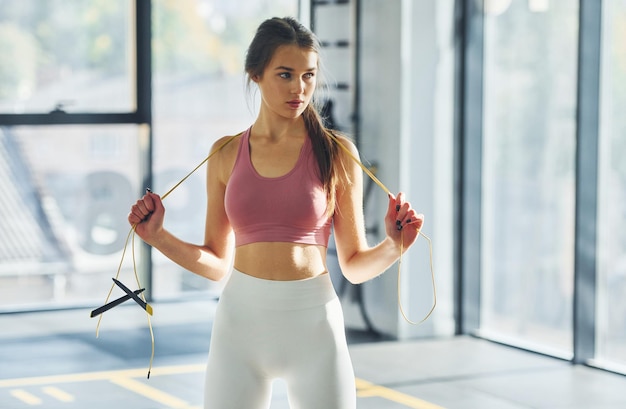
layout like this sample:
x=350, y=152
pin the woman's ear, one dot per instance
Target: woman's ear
x=255, y=78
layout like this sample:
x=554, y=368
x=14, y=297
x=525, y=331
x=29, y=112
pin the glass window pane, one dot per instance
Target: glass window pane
x=529, y=173
x=77, y=55
x=611, y=304
x=66, y=193
x=199, y=95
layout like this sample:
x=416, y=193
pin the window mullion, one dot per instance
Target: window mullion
x=586, y=180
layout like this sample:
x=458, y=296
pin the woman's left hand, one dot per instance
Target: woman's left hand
x=402, y=223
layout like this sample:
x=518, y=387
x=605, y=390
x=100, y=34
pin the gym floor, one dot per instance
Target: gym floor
x=54, y=360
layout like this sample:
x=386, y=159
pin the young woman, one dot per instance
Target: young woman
x=274, y=191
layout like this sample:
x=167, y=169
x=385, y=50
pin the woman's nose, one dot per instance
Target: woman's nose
x=298, y=86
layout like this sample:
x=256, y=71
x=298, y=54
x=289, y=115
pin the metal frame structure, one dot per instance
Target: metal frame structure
x=587, y=135
x=468, y=162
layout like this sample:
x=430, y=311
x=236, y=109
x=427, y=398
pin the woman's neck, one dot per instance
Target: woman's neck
x=275, y=127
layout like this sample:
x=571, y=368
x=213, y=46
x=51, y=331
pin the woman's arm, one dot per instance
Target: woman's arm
x=359, y=262
x=212, y=258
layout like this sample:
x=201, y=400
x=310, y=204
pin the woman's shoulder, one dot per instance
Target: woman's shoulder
x=228, y=143
x=346, y=144
x=223, y=155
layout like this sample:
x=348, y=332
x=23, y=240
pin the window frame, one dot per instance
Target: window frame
x=143, y=79
x=141, y=116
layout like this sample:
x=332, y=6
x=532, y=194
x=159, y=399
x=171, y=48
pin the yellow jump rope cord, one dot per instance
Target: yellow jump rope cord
x=430, y=245
x=131, y=233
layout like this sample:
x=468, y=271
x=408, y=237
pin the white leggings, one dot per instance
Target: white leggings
x=292, y=330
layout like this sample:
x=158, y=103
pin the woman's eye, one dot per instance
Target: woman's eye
x=309, y=75
x=284, y=75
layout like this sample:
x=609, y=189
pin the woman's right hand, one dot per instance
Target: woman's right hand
x=146, y=215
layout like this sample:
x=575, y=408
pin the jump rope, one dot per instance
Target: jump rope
x=140, y=299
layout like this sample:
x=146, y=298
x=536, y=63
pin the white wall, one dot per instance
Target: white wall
x=406, y=126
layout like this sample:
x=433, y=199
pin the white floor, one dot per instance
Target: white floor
x=53, y=360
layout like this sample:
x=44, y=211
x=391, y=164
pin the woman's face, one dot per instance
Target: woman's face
x=289, y=80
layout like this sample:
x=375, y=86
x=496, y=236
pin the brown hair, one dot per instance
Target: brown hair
x=270, y=35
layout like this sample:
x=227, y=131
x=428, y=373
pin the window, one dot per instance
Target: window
x=528, y=175
x=63, y=213
x=64, y=54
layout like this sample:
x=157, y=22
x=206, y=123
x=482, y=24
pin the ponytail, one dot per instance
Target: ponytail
x=326, y=154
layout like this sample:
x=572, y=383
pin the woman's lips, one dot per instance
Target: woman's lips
x=295, y=104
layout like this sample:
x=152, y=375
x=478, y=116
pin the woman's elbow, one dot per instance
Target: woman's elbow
x=214, y=266
x=213, y=274
x=352, y=275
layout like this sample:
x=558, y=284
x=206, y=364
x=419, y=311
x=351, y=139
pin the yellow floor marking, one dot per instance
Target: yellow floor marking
x=367, y=389
x=58, y=394
x=151, y=393
x=25, y=397
x=124, y=378
x=100, y=376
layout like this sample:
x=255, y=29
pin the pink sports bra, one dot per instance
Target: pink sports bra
x=289, y=208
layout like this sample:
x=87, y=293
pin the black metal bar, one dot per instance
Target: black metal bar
x=312, y=5
x=144, y=60
x=63, y=118
x=588, y=98
x=470, y=165
x=356, y=93
x=144, y=110
x=458, y=153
